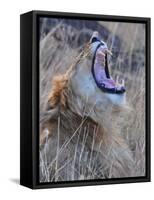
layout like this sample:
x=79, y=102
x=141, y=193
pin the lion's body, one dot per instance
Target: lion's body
x=78, y=136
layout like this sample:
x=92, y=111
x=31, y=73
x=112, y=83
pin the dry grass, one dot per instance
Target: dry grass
x=73, y=156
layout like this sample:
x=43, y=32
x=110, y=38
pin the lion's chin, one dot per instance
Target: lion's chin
x=116, y=99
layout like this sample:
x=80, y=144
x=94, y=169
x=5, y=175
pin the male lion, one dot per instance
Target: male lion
x=79, y=137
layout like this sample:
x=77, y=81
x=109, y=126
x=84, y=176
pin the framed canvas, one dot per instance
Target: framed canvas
x=85, y=99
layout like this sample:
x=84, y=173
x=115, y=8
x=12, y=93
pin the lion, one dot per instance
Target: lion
x=79, y=137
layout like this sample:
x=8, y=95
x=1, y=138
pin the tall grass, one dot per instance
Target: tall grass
x=78, y=155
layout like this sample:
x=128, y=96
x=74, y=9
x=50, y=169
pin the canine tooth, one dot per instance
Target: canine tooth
x=117, y=80
x=109, y=52
x=123, y=82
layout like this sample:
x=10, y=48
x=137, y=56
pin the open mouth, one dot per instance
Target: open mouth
x=101, y=73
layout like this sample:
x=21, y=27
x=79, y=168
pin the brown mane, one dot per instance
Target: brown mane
x=59, y=83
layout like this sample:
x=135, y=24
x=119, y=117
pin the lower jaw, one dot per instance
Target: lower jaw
x=117, y=99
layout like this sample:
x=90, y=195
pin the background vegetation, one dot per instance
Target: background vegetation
x=61, y=41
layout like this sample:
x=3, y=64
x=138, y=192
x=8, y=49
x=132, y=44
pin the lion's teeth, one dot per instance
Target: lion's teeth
x=120, y=82
x=109, y=52
x=123, y=82
x=117, y=80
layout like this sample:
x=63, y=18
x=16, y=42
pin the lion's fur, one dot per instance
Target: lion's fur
x=113, y=154
x=56, y=96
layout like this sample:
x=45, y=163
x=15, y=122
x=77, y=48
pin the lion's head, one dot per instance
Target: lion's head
x=77, y=88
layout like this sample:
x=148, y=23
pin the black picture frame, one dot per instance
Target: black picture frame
x=29, y=99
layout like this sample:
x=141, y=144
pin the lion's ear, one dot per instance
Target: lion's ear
x=57, y=93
